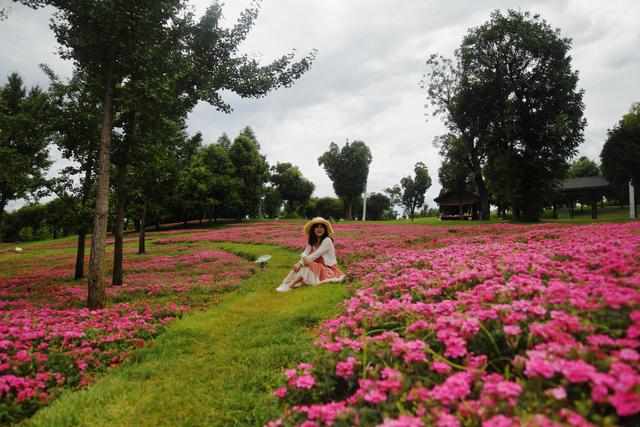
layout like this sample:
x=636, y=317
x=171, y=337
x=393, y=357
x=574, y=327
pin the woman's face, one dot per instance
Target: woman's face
x=319, y=230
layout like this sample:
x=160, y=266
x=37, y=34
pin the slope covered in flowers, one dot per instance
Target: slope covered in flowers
x=492, y=325
x=48, y=341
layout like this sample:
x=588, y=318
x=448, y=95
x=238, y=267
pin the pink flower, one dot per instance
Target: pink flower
x=290, y=373
x=305, y=367
x=626, y=403
x=539, y=368
x=447, y=420
x=305, y=381
x=629, y=355
x=559, y=393
x=345, y=369
x=440, y=367
x=577, y=371
x=457, y=386
x=390, y=373
x=512, y=330
x=402, y=421
x=281, y=392
x=573, y=418
x=375, y=396
x=501, y=421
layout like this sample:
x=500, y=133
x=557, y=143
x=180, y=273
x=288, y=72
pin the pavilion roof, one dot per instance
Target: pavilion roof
x=584, y=183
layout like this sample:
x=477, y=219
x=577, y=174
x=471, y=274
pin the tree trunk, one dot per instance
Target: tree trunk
x=82, y=237
x=473, y=162
x=484, y=199
x=117, y=278
x=143, y=226
x=82, y=231
x=350, y=210
x=97, y=295
x=482, y=188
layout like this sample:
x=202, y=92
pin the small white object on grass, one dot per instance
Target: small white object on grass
x=262, y=260
x=18, y=249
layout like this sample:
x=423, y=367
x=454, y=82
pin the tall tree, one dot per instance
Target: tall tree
x=395, y=196
x=443, y=84
x=224, y=141
x=294, y=188
x=330, y=207
x=348, y=169
x=76, y=122
x=378, y=207
x=414, y=189
x=24, y=139
x=511, y=96
x=620, y=154
x=252, y=169
x=272, y=202
x=108, y=38
x=583, y=167
x=454, y=173
x=249, y=133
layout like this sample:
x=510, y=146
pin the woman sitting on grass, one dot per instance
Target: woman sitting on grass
x=318, y=263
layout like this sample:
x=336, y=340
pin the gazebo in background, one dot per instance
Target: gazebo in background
x=458, y=205
x=590, y=189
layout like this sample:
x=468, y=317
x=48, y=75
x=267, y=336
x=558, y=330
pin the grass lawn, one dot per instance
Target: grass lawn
x=214, y=367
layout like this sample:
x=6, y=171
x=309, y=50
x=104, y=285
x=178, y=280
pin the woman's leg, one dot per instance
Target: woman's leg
x=293, y=275
x=297, y=282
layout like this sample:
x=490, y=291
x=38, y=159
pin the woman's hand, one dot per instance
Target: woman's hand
x=297, y=267
x=306, y=261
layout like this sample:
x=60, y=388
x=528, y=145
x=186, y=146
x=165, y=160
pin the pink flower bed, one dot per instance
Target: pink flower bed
x=530, y=328
x=49, y=342
x=492, y=326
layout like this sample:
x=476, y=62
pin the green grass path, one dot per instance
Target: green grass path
x=215, y=367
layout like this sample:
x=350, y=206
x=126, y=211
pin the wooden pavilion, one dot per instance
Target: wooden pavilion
x=458, y=205
x=590, y=189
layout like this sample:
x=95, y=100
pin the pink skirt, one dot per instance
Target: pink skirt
x=316, y=273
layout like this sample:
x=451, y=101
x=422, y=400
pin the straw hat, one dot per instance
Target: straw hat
x=317, y=220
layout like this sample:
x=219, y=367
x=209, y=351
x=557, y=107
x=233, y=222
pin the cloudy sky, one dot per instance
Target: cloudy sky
x=365, y=82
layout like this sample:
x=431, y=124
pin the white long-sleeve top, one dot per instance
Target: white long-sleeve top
x=326, y=250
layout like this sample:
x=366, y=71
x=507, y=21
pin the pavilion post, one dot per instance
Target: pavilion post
x=632, y=201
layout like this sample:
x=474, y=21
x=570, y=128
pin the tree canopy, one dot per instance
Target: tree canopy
x=583, y=167
x=511, y=98
x=157, y=44
x=348, y=169
x=414, y=189
x=295, y=190
x=620, y=154
x=24, y=139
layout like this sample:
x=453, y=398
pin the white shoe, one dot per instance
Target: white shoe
x=283, y=288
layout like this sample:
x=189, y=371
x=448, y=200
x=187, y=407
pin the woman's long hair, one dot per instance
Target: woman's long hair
x=313, y=239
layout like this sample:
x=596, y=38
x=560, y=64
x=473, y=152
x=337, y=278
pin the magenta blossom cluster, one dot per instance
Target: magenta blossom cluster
x=491, y=326
x=48, y=342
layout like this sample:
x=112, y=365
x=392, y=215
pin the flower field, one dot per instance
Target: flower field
x=48, y=341
x=495, y=326
x=489, y=325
